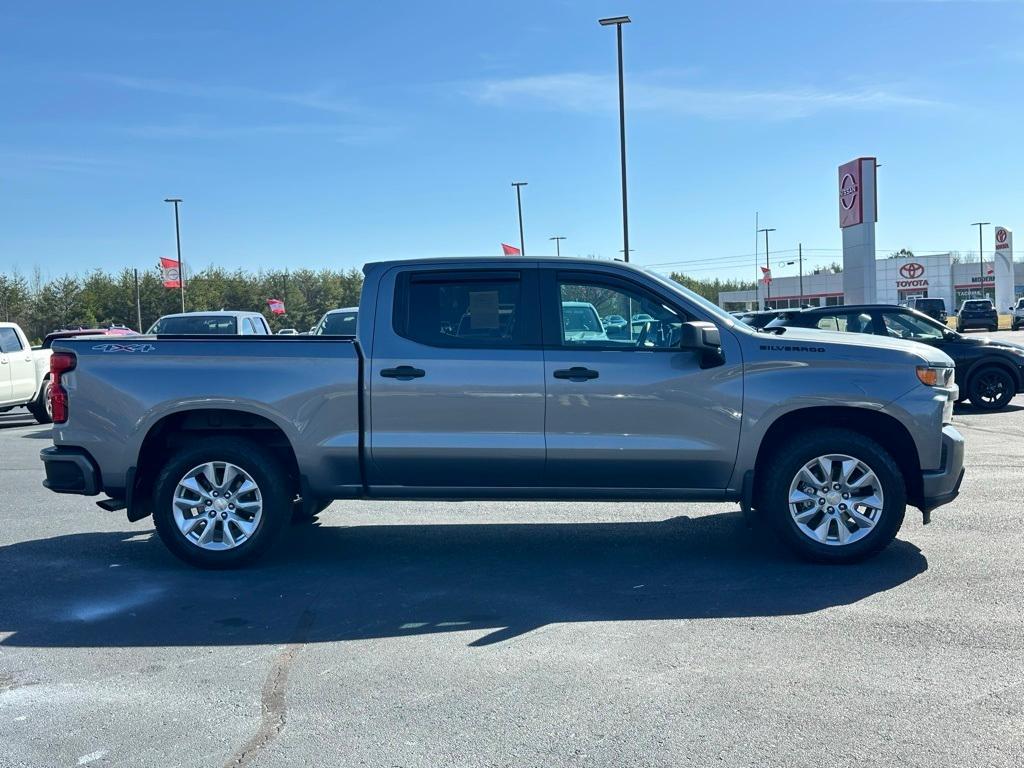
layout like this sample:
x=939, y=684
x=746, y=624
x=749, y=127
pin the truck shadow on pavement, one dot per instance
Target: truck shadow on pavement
x=496, y=581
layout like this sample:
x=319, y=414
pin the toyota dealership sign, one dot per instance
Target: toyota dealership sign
x=913, y=276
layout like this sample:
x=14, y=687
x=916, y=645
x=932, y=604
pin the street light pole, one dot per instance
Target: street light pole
x=800, y=250
x=557, y=239
x=768, y=266
x=617, y=22
x=177, y=238
x=981, y=258
x=519, y=205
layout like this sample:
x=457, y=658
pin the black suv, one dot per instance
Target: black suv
x=977, y=313
x=989, y=372
x=934, y=308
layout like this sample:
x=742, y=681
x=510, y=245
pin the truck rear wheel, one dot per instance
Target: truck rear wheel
x=834, y=496
x=221, y=504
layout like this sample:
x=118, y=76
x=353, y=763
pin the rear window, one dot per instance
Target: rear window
x=222, y=325
x=978, y=305
x=931, y=304
x=463, y=309
x=338, y=324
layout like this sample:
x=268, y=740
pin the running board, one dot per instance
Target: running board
x=112, y=505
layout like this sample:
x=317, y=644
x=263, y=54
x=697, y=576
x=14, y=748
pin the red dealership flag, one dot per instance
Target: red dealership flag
x=276, y=306
x=767, y=274
x=509, y=250
x=171, y=270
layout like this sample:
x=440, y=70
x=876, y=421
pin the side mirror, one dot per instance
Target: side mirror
x=702, y=337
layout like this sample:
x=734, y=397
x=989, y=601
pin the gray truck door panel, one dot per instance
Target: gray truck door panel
x=456, y=380
x=640, y=413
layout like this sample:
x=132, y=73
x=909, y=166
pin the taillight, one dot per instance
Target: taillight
x=60, y=363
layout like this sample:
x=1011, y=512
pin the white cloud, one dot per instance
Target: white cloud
x=318, y=99
x=589, y=93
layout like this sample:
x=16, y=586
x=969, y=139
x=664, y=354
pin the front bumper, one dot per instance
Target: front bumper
x=70, y=470
x=941, y=486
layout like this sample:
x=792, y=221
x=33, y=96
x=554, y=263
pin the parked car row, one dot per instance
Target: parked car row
x=990, y=372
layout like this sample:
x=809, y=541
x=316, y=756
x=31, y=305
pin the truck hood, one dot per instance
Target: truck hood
x=861, y=345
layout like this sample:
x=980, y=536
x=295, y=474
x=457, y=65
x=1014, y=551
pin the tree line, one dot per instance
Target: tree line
x=99, y=299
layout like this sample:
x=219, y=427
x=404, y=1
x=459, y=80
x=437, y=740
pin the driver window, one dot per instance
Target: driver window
x=909, y=327
x=599, y=314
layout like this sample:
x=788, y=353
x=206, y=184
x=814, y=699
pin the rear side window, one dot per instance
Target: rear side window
x=849, y=322
x=196, y=324
x=466, y=309
x=9, y=341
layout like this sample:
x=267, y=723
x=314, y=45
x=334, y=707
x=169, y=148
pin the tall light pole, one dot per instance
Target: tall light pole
x=519, y=205
x=557, y=239
x=981, y=258
x=617, y=22
x=767, y=265
x=177, y=238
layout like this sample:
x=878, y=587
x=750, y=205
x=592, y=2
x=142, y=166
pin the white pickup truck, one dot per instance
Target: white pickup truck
x=24, y=373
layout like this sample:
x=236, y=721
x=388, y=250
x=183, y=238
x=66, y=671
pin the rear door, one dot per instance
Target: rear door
x=628, y=409
x=456, y=380
x=20, y=365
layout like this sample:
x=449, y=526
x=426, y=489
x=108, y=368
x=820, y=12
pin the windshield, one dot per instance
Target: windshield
x=717, y=313
x=580, y=318
x=221, y=325
x=338, y=324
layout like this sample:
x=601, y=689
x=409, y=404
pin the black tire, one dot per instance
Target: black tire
x=265, y=470
x=991, y=388
x=993, y=328
x=780, y=471
x=39, y=408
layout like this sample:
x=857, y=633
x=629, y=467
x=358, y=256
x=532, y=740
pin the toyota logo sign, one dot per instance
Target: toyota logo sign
x=1000, y=235
x=912, y=270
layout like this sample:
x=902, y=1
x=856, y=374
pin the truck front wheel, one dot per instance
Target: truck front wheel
x=834, y=496
x=222, y=503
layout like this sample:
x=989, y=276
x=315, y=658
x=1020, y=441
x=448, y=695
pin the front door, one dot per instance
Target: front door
x=626, y=408
x=456, y=380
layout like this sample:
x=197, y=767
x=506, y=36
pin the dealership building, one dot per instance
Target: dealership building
x=864, y=279
x=896, y=281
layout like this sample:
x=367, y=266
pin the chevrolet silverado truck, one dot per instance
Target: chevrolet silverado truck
x=467, y=380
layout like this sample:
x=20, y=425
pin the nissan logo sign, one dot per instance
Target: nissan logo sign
x=912, y=270
x=847, y=191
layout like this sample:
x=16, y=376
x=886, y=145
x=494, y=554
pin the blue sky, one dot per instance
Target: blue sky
x=329, y=134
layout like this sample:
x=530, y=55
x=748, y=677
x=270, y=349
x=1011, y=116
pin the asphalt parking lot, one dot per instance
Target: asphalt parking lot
x=493, y=634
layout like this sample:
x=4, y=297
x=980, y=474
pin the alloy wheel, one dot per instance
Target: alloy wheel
x=836, y=499
x=217, y=505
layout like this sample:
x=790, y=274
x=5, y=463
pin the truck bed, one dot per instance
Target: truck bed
x=308, y=386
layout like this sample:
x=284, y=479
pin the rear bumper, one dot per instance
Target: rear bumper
x=70, y=470
x=941, y=486
x=978, y=322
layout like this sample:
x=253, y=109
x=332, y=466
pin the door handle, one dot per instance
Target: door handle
x=577, y=373
x=403, y=373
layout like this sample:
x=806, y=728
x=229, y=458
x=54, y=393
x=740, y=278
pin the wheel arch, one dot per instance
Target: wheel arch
x=177, y=429
x=884, y=429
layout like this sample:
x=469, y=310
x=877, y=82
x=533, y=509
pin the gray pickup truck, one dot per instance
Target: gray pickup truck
x=467, y=380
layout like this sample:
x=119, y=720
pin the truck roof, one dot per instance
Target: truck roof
x=214, y=312
x=510, y=260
